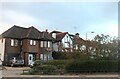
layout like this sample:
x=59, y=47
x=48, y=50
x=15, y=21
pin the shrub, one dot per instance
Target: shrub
x=93, y=66
x=44, y=69
x=70, y=55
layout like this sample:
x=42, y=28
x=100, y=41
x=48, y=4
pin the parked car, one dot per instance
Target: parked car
x=15, y=62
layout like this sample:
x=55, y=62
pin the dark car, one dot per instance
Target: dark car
x=15, y=62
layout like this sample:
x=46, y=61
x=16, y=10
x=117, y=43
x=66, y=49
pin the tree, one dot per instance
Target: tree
x=105, y=46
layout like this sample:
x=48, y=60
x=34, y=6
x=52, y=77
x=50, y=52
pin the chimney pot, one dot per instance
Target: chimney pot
x=46, y=30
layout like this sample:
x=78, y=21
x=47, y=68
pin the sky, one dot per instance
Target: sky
x=72, y=17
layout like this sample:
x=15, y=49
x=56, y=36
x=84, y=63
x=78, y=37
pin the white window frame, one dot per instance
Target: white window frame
x=49, y=43
x=16, y=43
x=45, y=56
x=42, y=56
x=45, y=43
x=41, y=44
x=12, y=42
x=32, y=42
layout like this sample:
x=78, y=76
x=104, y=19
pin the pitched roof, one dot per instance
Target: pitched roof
x=60, y=36
x=45, y=36
x=30, y=33
x=56, y=31
x=14, y=32
x=78, y=40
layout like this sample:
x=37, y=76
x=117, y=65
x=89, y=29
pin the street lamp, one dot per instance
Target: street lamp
x=86, y=39
x=89, y=32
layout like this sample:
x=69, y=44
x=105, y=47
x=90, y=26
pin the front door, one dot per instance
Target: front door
x=30, y=59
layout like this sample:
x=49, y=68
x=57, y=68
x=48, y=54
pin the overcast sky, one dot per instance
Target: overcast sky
x=72, y=17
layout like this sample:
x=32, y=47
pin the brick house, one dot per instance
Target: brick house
x=79, y=44
x=28, y=43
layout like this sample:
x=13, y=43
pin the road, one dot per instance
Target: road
x=60, y=78
x=63, y=77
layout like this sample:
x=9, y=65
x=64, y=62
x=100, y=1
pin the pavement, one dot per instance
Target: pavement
x=14, y=73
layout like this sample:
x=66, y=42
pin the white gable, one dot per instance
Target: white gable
x=67, y=41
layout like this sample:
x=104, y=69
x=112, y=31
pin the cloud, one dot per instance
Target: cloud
x=107, y=28
x=12, y=17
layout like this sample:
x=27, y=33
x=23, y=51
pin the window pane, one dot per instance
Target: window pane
x=41, y=56
x=12, y=42
x=34, y=43
x=45, y=43
x=41, y=44
x=16, y=42
x=31, y=42
x=48, y=43
x=45, y=56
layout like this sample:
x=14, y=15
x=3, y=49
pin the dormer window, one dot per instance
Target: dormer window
x=32, y=42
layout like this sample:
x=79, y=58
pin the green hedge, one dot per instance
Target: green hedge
x=74, y=66
x=43, y=70
x=60, y=64
x=70, y=55
x=92, y=66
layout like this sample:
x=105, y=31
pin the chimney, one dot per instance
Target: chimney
x=46, y=30
x=77, y=35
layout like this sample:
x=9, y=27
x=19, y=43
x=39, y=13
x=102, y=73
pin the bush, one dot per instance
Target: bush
x=70, y=55
x=93, y=66
x=60, y=64
x=44, y=70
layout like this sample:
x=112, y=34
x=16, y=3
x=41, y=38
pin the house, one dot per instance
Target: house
x=62, y=42
x=26, y=43
x=79, y=44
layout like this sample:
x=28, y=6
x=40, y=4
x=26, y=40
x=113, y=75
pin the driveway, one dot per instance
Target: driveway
x=13, y=71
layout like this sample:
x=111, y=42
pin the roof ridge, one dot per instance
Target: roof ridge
x=29, y=30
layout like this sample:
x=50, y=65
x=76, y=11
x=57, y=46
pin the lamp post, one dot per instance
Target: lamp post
x=86, y=40
x=89, y=32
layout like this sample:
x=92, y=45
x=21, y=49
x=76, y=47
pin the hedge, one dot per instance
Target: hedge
x=70, y=55
x=92, y=66
x=60, y=64
x=74, y=66
x=43, y=70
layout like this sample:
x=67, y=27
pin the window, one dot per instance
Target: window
x=49, y=43
x=21, y=42
x=41, y=56
x=32, y=42
x=14, y=42
x=41, y=44
x=45, y=43
x=44, y=56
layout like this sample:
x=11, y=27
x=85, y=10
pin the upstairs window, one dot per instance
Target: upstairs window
x=14, y=42
x=45, y=43
x=49, y=43
x=32, y=42
x=41, y=44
